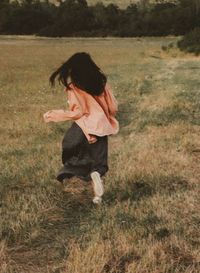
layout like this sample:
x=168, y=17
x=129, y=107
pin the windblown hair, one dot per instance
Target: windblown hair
x=81, y=70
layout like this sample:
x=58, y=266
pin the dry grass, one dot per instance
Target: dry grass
x=149, y=221
x=120, y=3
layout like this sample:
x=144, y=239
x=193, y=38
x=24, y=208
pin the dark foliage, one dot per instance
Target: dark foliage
x=76, y=18
x=191, y=42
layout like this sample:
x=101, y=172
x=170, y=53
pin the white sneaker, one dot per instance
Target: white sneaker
x=97, y=184
x=97, y=200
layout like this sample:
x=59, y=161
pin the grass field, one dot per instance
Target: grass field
x=120, y=3
x=149, y=221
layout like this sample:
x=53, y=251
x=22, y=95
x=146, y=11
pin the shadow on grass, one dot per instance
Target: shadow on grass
x=169, y=115
x=143, y=225
x=136, y=190
x=120, y=263
x=164, y=117
x=127, y=113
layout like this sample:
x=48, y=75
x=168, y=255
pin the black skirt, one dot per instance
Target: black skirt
x=80, y=158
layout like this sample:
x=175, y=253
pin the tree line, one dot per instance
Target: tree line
x=77, y=18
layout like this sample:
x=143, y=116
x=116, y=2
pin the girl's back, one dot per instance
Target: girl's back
x=97, y=112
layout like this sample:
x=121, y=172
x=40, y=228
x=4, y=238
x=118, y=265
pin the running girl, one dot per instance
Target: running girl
x=92, y=107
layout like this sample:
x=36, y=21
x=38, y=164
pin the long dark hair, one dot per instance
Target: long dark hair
x=84, y=74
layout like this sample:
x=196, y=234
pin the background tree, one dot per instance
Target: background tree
x=76, y=18
x=4, y=15
x=72, y=18
x=27, y=17
x=129, y=21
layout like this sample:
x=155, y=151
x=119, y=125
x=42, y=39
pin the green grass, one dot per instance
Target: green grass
x=149, y=219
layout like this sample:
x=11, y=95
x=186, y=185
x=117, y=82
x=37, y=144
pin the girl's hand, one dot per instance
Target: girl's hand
x=92, y=139
x=62, y=115
x=46, y=116
x=53, y=115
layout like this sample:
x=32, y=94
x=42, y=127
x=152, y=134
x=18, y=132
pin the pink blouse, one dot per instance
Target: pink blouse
x=95, y=115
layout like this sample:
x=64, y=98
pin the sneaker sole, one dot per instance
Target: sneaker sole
x=98, y=185
x=97, y=200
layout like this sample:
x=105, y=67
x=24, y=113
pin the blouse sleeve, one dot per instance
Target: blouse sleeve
x=76, y=106
x=76, y=110
x=111, y=101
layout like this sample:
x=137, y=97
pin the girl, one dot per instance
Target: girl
x=92, y=107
